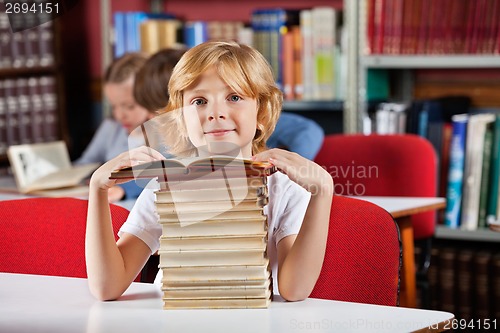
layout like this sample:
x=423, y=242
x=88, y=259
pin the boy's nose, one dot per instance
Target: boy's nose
x=217, y=112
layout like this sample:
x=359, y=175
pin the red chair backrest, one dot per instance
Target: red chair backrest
x=384, y=165
x=363, y=255
x=46, y=236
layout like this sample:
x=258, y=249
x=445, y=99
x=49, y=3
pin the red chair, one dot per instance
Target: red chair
x=46, y=236
x=363, y=255
x=386, y=165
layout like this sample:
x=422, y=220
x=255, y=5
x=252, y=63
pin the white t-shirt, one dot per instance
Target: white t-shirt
x=285, y=212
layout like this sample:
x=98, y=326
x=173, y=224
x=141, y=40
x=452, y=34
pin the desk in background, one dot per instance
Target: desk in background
x=8, y=191
x=33, y=303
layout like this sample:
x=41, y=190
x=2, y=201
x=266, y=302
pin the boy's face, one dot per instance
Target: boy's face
x=125, y=110
x=218, y=117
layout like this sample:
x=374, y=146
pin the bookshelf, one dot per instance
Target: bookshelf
x=357, y=23
x=446, y=277
x=31, y=84
x=329, y=114
x=481, y=235
x=429, y=61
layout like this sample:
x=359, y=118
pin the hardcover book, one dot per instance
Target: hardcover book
x=213, y=248
x=196, y=168
x=45, y=166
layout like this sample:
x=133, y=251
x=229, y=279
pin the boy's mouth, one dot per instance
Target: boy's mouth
x=219, y=132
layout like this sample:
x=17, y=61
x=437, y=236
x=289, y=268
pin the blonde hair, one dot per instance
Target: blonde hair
x=244, y=69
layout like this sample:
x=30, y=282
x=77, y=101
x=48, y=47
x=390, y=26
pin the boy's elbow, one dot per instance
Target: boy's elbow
x=293, y=294
x=102, y=293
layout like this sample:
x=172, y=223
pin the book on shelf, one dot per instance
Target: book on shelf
x=493, y=205
x=456, y=171
x=495, y=292
x=45, y=166
x=465, y=269
x=485, y=176
x=447, y=278
x=482, y=284
x=431, y=27
x=474, y=148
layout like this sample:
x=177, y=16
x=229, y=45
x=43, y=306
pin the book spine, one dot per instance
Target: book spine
x=288, y=66
x=370, y=27
x=12, y=122
x=298, y=84
x=30, y=38
x=49, y=102
x=119, y=34
x=195, y=33
x=485, y=174
x=5, y=38
x=456, y=172
x=447, y=279
x=324, y=40
x=17, y=50
x=307, y=54
x=494, y=173
x=473, y=169
x=24, y=119
x=495, y=283
x=36, y=110
x=464, y=284
x=481, y=285
x=379, y=22
x=46, y=44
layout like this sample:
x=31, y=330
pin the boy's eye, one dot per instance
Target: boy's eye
x=198, y=101
x=234, y=98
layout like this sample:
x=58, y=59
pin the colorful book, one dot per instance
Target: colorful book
x=456, y=173
x=485, y=176
x=476, y=129
x=494, y=186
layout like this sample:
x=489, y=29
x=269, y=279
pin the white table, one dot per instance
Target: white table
x=33, y=303
x=404, y=206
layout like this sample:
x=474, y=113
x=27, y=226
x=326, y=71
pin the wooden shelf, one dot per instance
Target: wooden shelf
x=25, y=71
x=431, y=61
x=481, y=235
x=326, y=106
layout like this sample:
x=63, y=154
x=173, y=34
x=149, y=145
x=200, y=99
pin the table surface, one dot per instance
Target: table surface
x=34, y=303
x=404, y=206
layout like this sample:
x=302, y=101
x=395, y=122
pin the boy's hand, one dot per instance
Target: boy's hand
x=304, y=172
x=100, y=178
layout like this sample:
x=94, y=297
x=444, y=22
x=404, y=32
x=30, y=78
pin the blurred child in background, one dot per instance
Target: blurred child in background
x=113, y=135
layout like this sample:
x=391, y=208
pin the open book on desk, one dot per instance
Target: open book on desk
x=45, y=169
x=196, y=168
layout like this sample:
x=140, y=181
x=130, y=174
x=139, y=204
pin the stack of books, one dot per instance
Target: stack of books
x=213, y=249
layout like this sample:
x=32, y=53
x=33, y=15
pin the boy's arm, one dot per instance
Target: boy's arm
x=111, y=267
x=300, y=257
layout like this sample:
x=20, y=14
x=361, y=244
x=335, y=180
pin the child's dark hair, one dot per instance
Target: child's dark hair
x=151, y=81
x=124, y=67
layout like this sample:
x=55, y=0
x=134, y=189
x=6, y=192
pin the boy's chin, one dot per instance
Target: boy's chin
x=219, y=148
